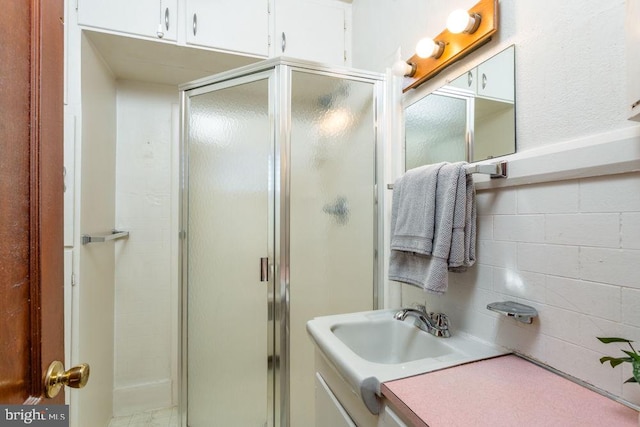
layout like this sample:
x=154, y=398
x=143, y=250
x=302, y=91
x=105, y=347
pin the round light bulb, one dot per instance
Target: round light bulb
x=460, y=21
x=401, y=68
x=426, y=47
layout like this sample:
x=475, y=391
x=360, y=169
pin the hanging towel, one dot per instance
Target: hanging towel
x=413, y=210
x=463, y=247
x=452, y=234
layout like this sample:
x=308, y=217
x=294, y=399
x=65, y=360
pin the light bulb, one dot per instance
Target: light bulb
x=402, y=68
x=460, y=21
x=426, y=48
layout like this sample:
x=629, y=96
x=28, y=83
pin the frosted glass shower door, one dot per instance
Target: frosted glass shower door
x=436, y=130
x=332, y=214
x=229, y=199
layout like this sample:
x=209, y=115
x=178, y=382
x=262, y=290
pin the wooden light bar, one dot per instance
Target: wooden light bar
x=457, y=45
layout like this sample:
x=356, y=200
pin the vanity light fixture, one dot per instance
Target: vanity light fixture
x=471, y=29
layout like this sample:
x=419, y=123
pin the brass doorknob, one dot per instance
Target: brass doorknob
x=57, y=377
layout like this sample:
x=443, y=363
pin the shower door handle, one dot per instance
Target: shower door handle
x=264, y=269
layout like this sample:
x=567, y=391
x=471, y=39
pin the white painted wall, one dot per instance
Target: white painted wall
x=93, y=299
x=146, y=279
x=570, y=58
x=567, y=247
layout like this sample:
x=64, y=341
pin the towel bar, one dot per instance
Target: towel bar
x=496, y=170
x=115, y=235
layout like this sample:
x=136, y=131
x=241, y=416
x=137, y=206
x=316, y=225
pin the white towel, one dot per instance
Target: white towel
x=453, y=231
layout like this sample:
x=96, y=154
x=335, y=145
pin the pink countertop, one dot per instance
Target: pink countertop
x=504, y=391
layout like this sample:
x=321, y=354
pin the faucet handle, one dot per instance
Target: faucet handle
x=440, y=319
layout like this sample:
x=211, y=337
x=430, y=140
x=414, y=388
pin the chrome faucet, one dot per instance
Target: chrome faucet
x=436, y=324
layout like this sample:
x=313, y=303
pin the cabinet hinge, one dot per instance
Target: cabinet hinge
x=77, y=1
x=73, y=279
x=269, y=40
x=345, y=56
x=269, y=7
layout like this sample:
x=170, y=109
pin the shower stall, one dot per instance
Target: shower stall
x=280, y=224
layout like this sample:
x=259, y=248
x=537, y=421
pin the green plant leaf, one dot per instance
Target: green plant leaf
x=632, y=355
x=615, y=361
x=631, y=380
x=613, y=339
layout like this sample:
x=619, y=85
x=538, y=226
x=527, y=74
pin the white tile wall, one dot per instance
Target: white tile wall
x=570, y=249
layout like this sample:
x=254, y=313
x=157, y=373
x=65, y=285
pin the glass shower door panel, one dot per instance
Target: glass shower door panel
x=332, y=215
x=435, y=131
x=229, y=152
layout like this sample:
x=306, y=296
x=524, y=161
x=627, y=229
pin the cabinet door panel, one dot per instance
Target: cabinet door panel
x=388, y=418
x=495, y=77
x=229, y=25
x=312, y=30
x=329, y=411
x=150, y=18
x=466, y=81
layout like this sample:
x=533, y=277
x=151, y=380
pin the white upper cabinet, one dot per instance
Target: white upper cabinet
x=495, y=77
x=466, y=81
x=147, y=18
x=315, y=30
x=230, y=25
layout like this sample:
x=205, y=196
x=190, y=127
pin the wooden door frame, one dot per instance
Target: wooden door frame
x=39, y=239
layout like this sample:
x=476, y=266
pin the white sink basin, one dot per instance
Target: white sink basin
x=372, y=347
x=389, y=341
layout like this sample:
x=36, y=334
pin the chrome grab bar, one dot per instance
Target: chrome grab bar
x=115, y=235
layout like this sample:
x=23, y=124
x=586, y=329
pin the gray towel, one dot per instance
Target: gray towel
x=413, y=210
x=453, y=229
x=463, y=241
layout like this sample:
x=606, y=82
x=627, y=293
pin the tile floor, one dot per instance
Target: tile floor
x=167, y=417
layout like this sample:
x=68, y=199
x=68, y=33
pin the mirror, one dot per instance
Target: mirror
x=472, y=118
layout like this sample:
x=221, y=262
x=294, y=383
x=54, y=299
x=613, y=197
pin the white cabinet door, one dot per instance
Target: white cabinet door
x=466, y=81
x=329, y=411
x=388, y=418
x=230, y=25
x=495, y=77
x=149, y=18
x=312, y=30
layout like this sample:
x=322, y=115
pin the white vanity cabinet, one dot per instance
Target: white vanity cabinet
x=388, y=418
x=229, y=25
x=329, y=411
x=315, y=30
x=147, y=18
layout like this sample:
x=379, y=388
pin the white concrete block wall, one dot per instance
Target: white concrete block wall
x=569, y=249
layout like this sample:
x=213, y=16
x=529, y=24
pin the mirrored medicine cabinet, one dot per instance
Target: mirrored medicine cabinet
x=472, y=118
